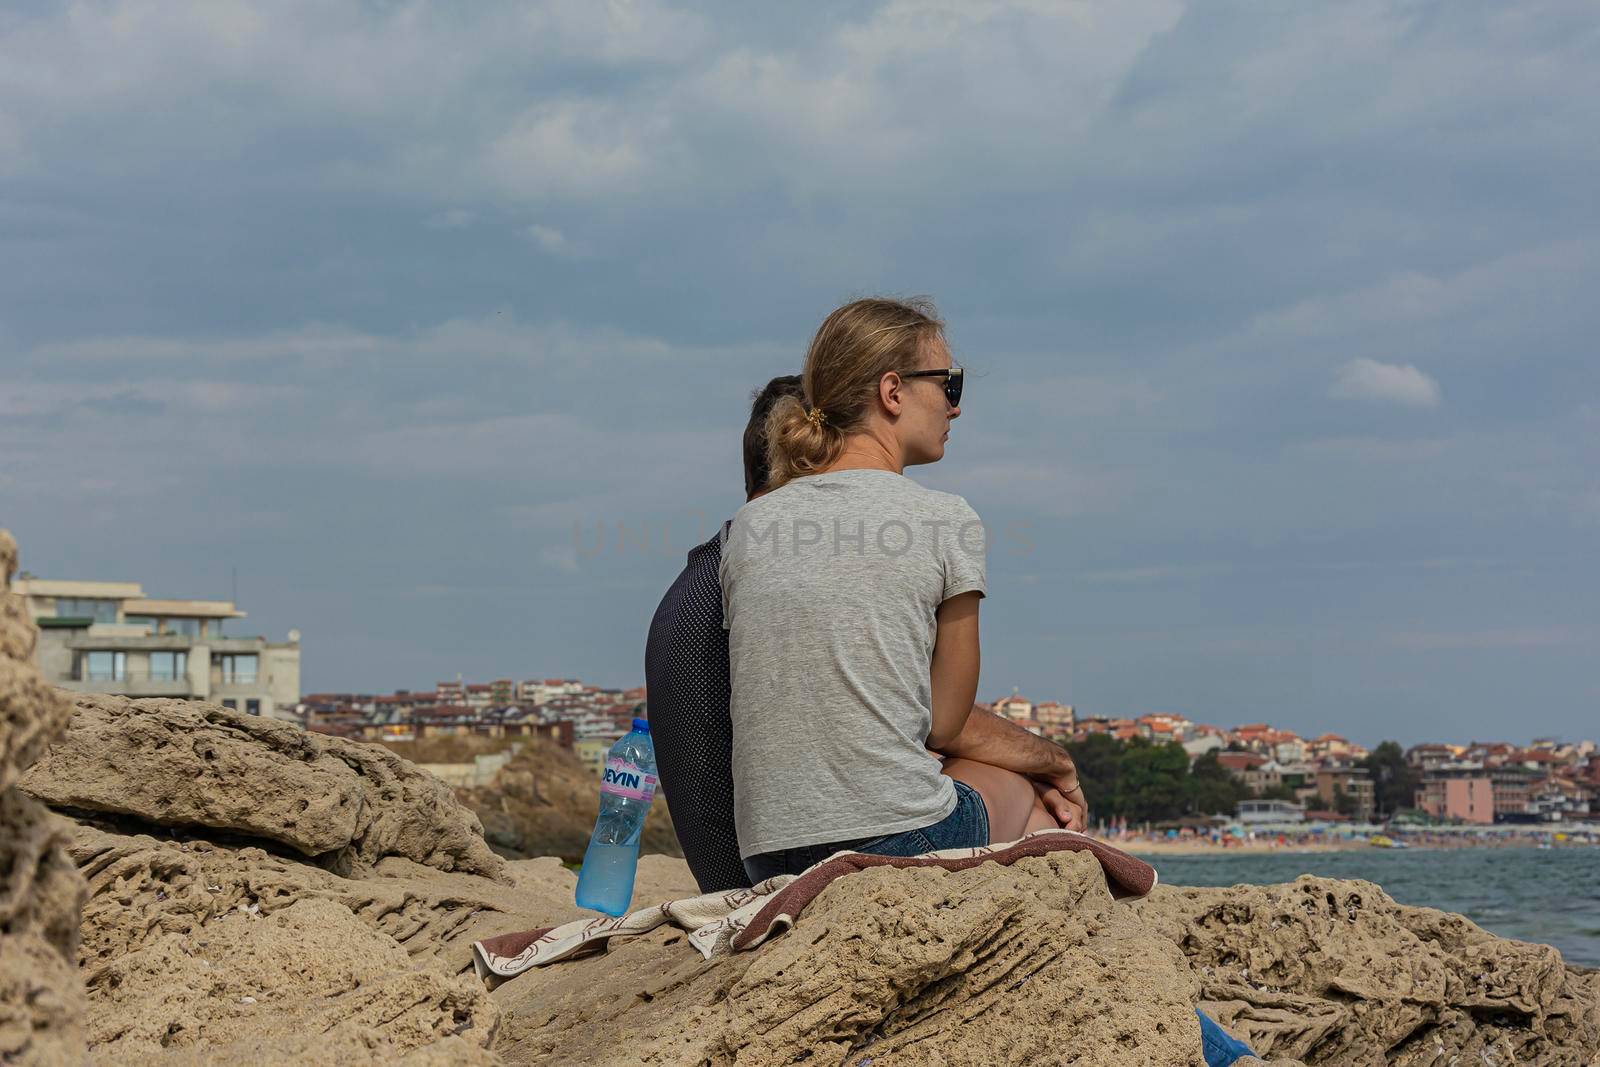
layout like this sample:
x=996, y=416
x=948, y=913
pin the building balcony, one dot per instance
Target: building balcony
x=133, y=642
x=128, y=683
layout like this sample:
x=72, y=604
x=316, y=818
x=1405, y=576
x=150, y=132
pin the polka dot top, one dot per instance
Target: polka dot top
x=686, y=676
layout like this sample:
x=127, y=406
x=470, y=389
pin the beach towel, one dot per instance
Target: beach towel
x=741, y=919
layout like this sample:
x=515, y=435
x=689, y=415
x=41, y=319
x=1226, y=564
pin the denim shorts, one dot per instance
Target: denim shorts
x=965, y=827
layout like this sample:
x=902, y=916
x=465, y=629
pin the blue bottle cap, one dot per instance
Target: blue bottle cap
x=641, y=725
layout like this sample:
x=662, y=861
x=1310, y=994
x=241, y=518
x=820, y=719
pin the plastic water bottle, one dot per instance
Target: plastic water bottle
x=626, y=788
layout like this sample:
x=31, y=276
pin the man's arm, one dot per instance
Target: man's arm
x=992, y=739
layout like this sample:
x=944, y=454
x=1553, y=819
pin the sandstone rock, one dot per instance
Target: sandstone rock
x=1333, y=971
x=339, y=971
x=182, y=764
x=156, y=906
x=32, y=714
x=306, y=984
x=41, y=1004
x=996, y=964
x=42, y=892
x=41, y=993
x=142, y=889
x=1033, y=962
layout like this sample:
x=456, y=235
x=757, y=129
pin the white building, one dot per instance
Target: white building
x=1269, y=812
x=543, y=691
x=108, y=637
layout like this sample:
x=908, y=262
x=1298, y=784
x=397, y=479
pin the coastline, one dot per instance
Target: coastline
x=1139, y=845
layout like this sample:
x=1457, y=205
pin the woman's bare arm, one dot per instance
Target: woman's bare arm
x=984, y=737
x=955, y=668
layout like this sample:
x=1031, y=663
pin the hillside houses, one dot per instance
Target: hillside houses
x=1546, y=780
x=568, y=713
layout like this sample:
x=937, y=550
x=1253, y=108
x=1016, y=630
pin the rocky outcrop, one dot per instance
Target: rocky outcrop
x=177, y=763
x=307, y=983
x=1035, y=963
x=211, y=951
x=32, y=713
x=197, y=952
x=142, y=890
x=1333, y=971
x=41, y=993
x=1029, y=963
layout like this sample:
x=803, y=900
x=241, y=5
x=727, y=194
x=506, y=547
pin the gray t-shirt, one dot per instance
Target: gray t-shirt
x=829, y=589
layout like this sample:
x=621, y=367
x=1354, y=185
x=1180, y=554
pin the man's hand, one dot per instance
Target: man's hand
x=1062, y=796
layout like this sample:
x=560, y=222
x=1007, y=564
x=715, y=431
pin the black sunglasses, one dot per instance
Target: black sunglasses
x=952, y=382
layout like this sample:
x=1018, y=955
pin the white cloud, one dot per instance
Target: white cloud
x=575, y=148
x=1367, y=379
x=1155, y=574
x=548, y=238
x=455, y=218
x=1484, y=640
x=563, y=558
x=168, y=397
x=1374, y=449
x=1086, y=396
x=309, y=344
x=917, y=90
x=1408, y=299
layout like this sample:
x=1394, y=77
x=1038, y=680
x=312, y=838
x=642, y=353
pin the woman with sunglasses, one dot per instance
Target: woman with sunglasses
x=850, y=594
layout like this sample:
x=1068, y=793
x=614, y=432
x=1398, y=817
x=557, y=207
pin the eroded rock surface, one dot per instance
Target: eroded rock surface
x=1335, y=971
x=142, y=889
x=178, y=763
x=309, y=983
x=1035, y=963
x=176, y=932
x=41, y=993
x=32, y=713
x=1029, y=963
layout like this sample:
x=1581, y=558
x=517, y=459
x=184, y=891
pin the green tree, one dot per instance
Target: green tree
x=1394, y=781
x=1096, y=757
x=1343, y=803
x=1210, y=789
x=1151, y=780
x=1281, y=791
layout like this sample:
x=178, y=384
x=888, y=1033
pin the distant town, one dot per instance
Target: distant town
x=110, y=637
x=1287, y=777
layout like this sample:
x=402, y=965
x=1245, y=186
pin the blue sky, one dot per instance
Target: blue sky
x=1279, y=320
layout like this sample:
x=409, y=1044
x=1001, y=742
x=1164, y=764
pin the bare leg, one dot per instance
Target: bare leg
x=1014, y=807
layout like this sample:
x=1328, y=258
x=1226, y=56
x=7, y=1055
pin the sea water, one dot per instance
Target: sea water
x=1551, y=896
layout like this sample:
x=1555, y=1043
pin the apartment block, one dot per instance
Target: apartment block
x=1055, y=720
x=1354, y=782
x=108, y=637
x=1462, y=798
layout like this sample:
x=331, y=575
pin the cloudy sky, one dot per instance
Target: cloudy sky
x=439, y=322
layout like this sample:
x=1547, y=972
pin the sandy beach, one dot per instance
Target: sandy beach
x=1192, y=845
x=1200, y=847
